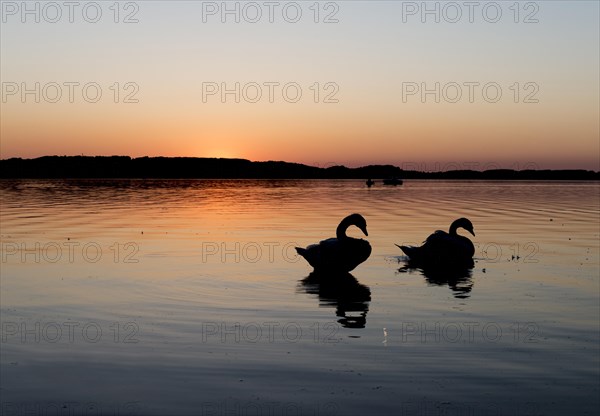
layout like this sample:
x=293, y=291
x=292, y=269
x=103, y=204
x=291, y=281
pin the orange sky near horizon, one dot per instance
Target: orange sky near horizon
x=534, y=102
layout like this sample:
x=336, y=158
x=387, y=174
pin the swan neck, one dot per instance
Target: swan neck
x=340, y=232
x=453, y=229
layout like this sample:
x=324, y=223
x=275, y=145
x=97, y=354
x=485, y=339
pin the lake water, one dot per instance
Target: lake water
x=187, y=297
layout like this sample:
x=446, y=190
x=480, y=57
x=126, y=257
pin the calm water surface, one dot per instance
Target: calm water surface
x=186, y=297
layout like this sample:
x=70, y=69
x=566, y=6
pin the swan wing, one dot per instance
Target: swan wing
x=443, y=247
x=335, y=255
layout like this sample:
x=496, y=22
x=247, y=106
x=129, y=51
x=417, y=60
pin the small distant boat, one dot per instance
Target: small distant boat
x=370, y=183
x=392, y=181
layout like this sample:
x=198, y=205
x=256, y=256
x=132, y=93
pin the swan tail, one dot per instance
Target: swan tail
x=409, y=250
x=301, y=251
x=307, y=255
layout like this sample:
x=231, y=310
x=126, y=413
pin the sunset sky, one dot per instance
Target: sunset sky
x=517, y=83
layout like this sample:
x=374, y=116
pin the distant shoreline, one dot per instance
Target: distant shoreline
x=125, y=167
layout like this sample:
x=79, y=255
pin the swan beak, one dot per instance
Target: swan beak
x=472, y=232
x=364, y=230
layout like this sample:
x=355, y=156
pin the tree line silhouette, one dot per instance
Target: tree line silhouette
x=219, y=168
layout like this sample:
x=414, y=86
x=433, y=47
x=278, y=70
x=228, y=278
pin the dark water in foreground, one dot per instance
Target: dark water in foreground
x=186, y=297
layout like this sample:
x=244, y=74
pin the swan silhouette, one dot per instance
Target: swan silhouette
x=341, y=254
x=442, y=248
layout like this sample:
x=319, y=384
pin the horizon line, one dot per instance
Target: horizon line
x=492, y=166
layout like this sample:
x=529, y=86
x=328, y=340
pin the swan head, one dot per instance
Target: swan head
x=353, y=219
x=462, y=223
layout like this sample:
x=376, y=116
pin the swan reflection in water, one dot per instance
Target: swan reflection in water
x=457, y=277
x=343, y=292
